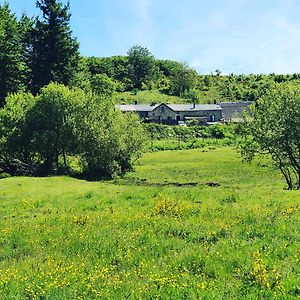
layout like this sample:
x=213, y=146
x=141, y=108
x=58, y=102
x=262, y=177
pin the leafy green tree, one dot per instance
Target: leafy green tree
x=182, y=80
x=46, y=133
x=55, y=52
x=82, y=77
x=12, y=67
x=103, y=85
x=14, y=133
x=142, y=67
x=115, y=67
x=109, y=140
x=274, y=129
x=100, y=65
x=52, y=122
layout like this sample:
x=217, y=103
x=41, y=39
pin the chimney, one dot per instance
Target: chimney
x=194, y=105
x=135, y=102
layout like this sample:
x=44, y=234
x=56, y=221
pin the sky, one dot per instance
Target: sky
x=233, y=36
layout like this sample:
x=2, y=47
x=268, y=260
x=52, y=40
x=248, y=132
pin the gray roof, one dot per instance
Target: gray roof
x=191, y=107
x=136, y=107
x=175, y=107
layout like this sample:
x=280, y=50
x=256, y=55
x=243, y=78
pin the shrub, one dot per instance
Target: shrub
x=62, y=130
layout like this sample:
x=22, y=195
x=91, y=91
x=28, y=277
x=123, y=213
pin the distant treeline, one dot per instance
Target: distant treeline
x=37, y=51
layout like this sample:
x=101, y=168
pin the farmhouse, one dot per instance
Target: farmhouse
x=233, y=111
x=172, y=113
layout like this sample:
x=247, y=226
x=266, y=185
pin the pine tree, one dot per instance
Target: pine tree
x=55, y=54
x=12, y=67
x=26, y=28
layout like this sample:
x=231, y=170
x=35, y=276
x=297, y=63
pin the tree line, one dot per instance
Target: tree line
x=38, y=50
x=50, y=123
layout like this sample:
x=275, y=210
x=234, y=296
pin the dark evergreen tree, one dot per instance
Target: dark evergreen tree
x=55, y=54
x=26, y=25
x=11, y=65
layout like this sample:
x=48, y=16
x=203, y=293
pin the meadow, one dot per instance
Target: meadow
x=189, y=224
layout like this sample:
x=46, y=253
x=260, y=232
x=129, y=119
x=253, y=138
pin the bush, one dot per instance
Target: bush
x=45, y=133
x=4, y=175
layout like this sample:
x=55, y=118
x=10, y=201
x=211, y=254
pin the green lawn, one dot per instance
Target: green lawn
x=191, y=224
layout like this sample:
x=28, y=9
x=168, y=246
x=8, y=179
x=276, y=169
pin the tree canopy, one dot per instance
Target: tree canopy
x=142, y=68
x=60, y=127
x=274, y=129
x=12, y=67
x=55, y=52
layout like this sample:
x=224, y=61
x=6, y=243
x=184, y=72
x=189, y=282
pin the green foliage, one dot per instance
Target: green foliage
x=82, y=78
x=249, y=87
x=48, y=133
x=274, y=128
x=218, y=131
x=165, y=137
x=103, y=85
x=182, y=79
x=12, y=66
x=142, y=69
x=115, y=67
x=13, y=128
x=55, y=52
x=152, y=96
x=52, y=122
x=109, y=140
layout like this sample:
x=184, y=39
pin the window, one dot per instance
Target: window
x=178, y=118
x=162, y=109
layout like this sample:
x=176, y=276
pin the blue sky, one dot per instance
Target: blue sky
x=234, y=36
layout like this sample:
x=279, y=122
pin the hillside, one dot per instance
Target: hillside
x=154, y=96
x=185, y=225
x=172, y=82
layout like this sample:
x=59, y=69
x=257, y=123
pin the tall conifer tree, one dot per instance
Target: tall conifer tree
x=12, y=67
x=55, y=52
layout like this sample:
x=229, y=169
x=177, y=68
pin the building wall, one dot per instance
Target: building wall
x=163, y=112
x=212, y=115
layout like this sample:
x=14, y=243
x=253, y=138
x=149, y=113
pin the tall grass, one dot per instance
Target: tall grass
x=185, y=225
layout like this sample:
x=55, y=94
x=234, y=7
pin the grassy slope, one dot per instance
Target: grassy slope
x=154, y=233
x=154, y=96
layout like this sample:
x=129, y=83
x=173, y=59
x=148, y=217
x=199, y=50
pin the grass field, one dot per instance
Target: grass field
x=190, y=224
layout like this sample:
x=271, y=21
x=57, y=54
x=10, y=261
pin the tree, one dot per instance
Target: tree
x=55, y=53
x=103, y=85
x=110, y=141
x=274, y=129
x=142, y=68
x=26, y=26
x=14, y=134
x=12, y=68
x=115, y=67
x=51, y=123
x=44, y=134
x=182, y=80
